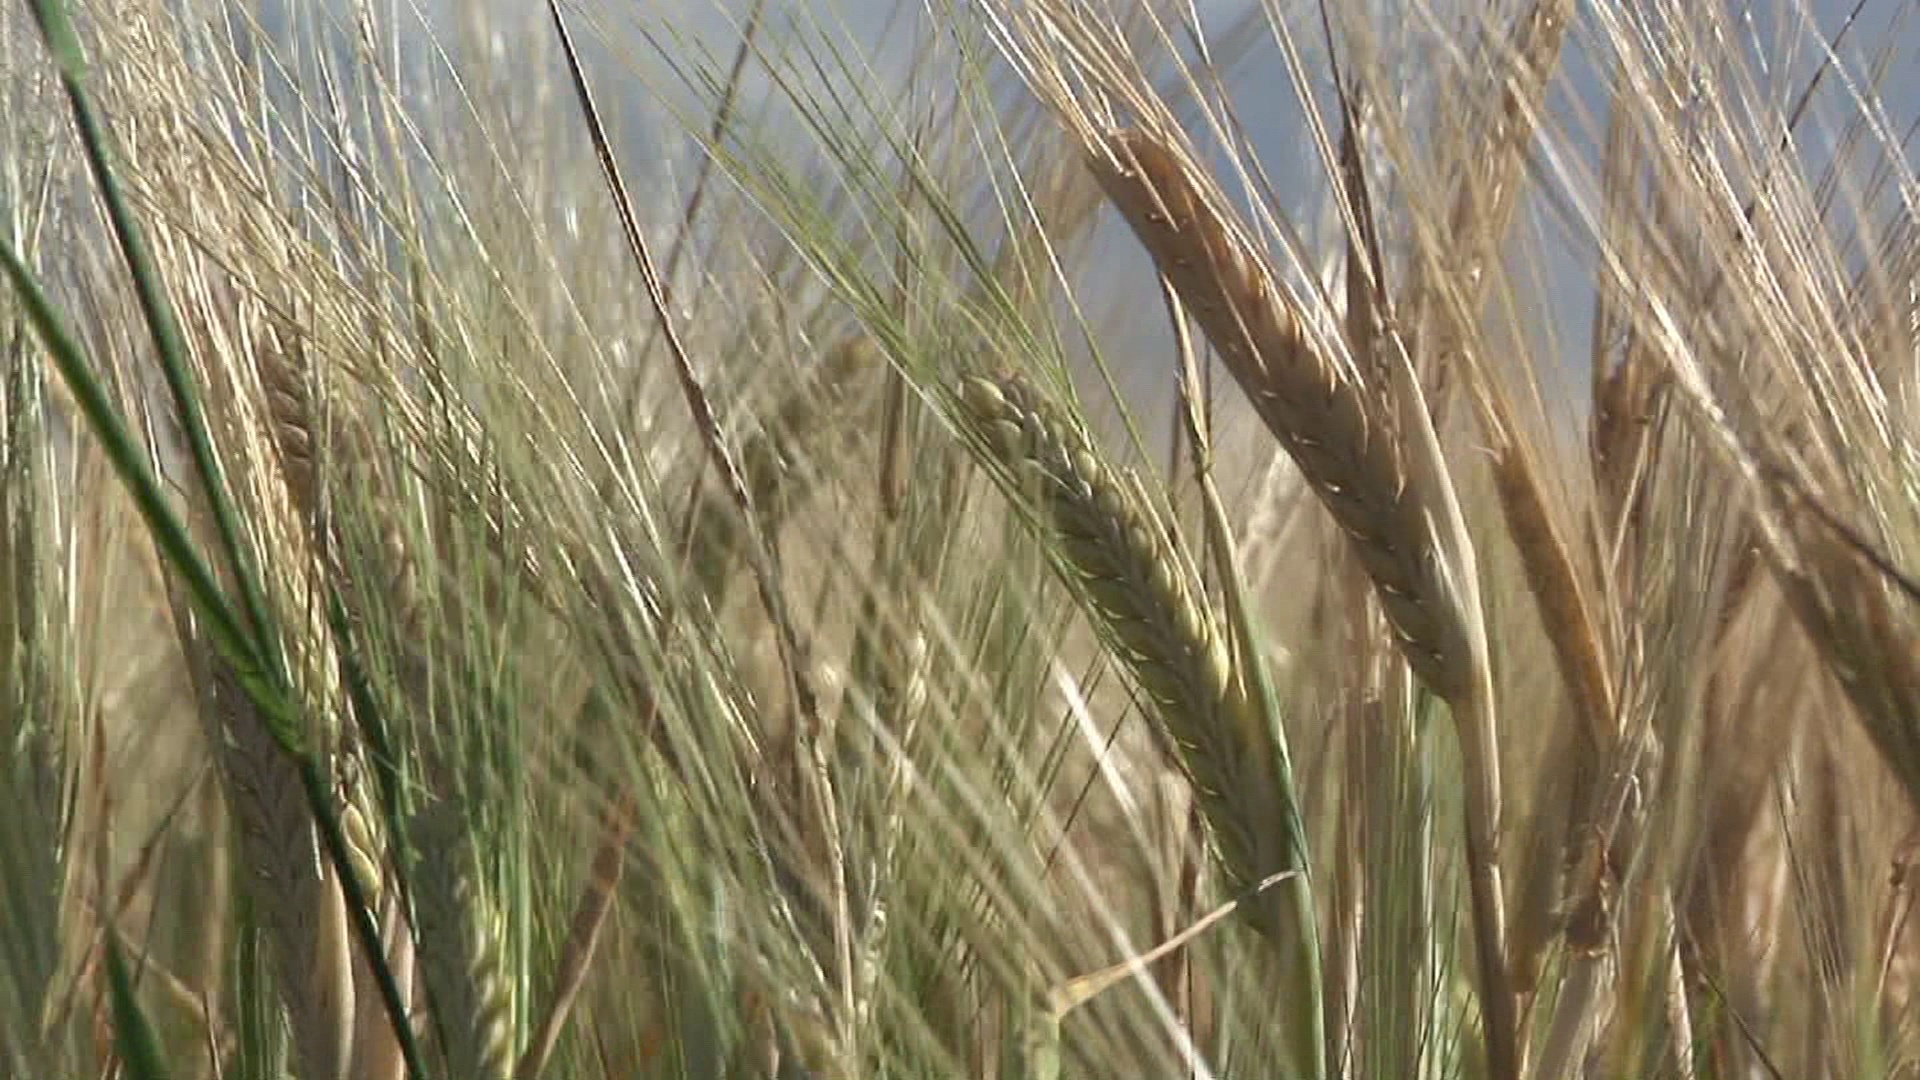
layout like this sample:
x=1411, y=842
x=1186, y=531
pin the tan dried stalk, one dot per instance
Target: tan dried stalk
x=1486, y=191
x=379, y=586
x=1369, y=453
x=460, y=959
x=1146, y=598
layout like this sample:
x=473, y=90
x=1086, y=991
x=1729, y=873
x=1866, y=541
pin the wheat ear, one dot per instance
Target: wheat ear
x=459, y=953
x=1144, y=593
x=1370, y=455
x=777, y=464
x=1321, y=414
x=291, y=882
x=1145, y=597
x=283, y=368
x=293, y=420
x=376, y=1046
x=1547, y=563
x=1845, y=607
x=1573, y=633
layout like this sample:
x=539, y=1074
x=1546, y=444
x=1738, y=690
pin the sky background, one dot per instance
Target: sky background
x=626, y=39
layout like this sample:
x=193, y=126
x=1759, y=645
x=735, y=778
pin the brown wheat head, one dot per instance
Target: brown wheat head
x=1338, y=430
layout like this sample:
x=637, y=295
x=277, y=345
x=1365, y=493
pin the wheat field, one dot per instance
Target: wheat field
x=1018, y=540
